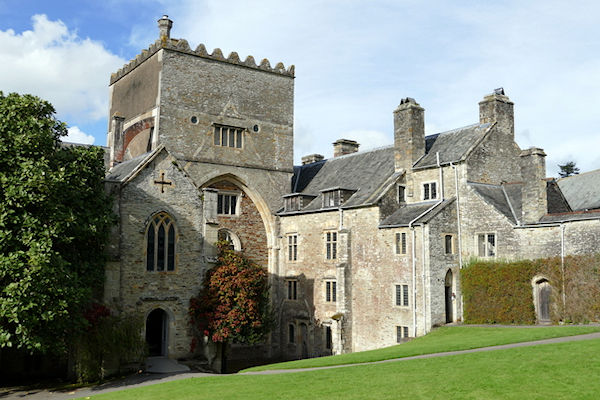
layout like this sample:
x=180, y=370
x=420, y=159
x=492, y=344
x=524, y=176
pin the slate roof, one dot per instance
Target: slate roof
x=571, y=216
x=452, y=145
x=122, y=171
x=409, y=212
x=365, y=172
x=582, y=191
x=501, y=198
x=556, y=201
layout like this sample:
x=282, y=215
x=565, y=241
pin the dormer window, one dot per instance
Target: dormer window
x=295, y=201
x=336, y=197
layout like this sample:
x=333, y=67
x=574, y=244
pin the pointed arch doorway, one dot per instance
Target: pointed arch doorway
x=448, y=297
x=157, y=324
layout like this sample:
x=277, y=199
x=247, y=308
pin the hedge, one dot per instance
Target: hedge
x=501, y=292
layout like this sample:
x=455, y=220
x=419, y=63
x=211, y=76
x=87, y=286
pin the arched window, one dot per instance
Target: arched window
x=160, y=243
x=228, y=236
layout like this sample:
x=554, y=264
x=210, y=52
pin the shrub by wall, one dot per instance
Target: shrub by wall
x=502, y=292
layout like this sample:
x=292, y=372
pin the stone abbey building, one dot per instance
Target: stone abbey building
x=363, y=249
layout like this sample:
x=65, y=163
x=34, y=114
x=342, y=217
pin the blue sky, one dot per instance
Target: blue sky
x=354, y=61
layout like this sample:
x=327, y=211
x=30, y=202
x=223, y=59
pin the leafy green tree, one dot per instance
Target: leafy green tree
x=233, y=305
x=54, y=224
x=568, y=169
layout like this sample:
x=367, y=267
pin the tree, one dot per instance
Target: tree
x=233, y=305
x=54, y=223
x=568, y=169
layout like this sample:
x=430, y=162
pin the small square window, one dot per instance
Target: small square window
x=401, y=333
x=228, y=136
x=227, y=204
x=486, y=244
x=430, y=191
x=401, y=243
x=402, y=295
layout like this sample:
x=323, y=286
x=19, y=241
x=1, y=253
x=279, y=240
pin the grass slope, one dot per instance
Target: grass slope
x=439, y=340
x=557, y=371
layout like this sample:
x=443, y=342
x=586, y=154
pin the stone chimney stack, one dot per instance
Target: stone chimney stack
x=164, y=26
x=115, y=139
x=497, y=107
x=533, y=192
x=311, y=158
x=344, y=146
x=409, y=133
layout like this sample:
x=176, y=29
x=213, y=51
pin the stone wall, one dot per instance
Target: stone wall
x=140, y=290
x=197, y=93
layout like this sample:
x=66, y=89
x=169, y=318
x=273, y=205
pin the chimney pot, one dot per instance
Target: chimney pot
x=164, y=27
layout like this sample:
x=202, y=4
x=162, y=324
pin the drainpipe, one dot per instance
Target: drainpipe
x=423, y=278
x=414, y=253
x=458, y=229
x=562, y=264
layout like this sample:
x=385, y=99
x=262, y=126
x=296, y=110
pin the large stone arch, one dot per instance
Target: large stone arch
x=255, y=197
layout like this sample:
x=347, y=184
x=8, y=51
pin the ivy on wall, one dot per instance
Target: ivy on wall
x=501, y=292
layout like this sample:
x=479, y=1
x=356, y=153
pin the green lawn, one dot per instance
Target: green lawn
x=439, y=340
x=556, y=371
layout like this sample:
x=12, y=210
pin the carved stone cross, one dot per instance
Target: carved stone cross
x=162, y=182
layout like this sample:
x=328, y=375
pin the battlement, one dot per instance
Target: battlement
x=181, y=45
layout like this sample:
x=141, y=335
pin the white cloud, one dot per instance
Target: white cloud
x=76, y=135
x=55, y=64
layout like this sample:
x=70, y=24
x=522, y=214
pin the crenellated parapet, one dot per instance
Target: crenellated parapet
x=181, y=45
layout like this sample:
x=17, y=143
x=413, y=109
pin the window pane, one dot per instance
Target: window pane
x=426, y=191
x=220, y=204
x=231, y=137
x=398, y=334
x=491, y=245
x=334, y=291
x=224, y=137
x=481, y=245
x=327, y=291
x=448, y=245
x=238, y=141
x=295, y=286
x=434, y=190
x=398, y=295
x=401, y=197
x=150, y=249
x=171, y=250
x=226, y=208
x=398, y=243
x=291, y=334
x=334, y=250
x=405, y=295
x=233, y=204
x=405, y=331
x=403, y=243
x=217, y=136
x=328, y=338
x=160, y=256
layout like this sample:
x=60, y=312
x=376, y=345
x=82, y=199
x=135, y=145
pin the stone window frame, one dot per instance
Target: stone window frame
x=234, y=241
x=402, y=332
x=291, y=247
x=401, y=292
x=291, y=289
x=238, y=203
x=330, y=285
x=401, y=193
x=486, y=242
x=156, y=221
x=225, y=133
x=330, y=240
x=429, y=185
x=400, y=243
x=452, y=243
